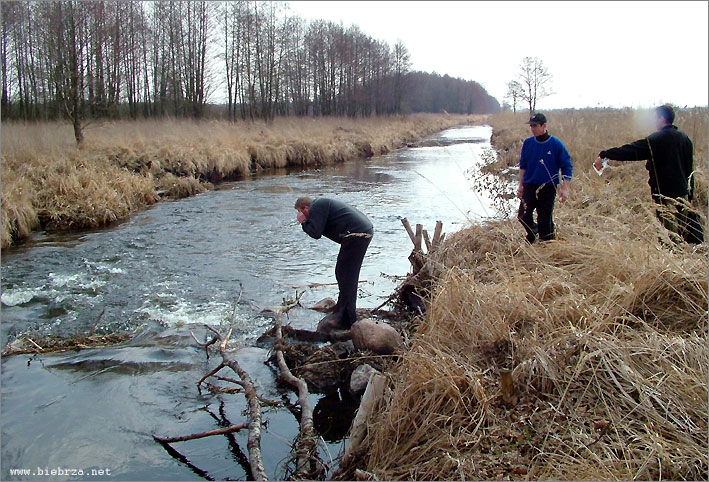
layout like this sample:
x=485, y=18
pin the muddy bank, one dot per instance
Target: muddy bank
x=125, y=166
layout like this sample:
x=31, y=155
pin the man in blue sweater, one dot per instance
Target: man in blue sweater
x=353, y=231
x=544, y=164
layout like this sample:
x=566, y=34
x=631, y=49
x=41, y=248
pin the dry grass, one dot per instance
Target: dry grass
x=604, y=331
x=122, y=166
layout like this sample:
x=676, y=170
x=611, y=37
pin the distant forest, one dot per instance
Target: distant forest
x=235, y=60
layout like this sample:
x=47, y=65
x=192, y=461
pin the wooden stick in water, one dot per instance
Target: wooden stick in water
x=406, y=224
x=219, y=431
x=315, y=285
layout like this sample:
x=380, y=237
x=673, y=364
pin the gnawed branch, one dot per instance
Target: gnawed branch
x=308, y=464
x=213, y=372
x=358, y=432
x=209, y=433
x=410, y=292
x=252, y=398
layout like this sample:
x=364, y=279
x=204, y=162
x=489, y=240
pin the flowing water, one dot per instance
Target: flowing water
x=178, y=265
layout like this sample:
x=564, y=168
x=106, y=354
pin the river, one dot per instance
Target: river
x=178, y=265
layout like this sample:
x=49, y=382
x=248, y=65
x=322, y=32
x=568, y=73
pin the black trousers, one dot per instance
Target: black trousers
x=349, y=262
x=678, y=216
x=542, y=200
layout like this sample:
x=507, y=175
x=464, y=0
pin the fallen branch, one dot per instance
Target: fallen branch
x=308, y=335
x=255, y=462
x=286, y=306
x=308, y=464
x=358, y=432
x=93, y=327
x=316, y=285
x=209, y=433
x=254, y=440
x=35, y=344
x=199, y=383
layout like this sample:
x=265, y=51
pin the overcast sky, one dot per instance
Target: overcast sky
x=600, y=54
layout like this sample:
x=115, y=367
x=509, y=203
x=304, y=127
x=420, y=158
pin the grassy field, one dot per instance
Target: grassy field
x=583, y=358
x=48, y=183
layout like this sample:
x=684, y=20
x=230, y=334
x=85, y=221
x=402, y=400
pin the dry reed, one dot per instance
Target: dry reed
x=122, y=165
x=603, y=330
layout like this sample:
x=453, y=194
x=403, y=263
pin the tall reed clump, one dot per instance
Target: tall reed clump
x=602, y=332
x=19, y=216
x=123, y=165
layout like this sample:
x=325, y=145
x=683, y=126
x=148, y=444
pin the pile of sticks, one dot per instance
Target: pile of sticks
x=412, y=291
x=417, y=257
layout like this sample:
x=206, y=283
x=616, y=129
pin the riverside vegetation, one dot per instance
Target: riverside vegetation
x=47, y=183
x=583, y=358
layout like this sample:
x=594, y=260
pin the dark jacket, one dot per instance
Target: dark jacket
x=673, y=156
x=333, y=219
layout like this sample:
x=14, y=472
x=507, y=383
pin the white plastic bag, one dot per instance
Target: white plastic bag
x=600, y=171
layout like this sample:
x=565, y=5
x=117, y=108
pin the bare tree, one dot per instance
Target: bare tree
x=515, y=93
x=402, y=66
x=232, y=14
x=10, y=17
x=68, y=46
x=296, y=72
x=534, y=79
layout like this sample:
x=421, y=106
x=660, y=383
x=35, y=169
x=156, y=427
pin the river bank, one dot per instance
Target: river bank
x=178, y=265
x=47, y=183
x=581, y=358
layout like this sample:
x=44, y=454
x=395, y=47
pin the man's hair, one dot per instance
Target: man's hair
x=666, y=112
x=303, y=202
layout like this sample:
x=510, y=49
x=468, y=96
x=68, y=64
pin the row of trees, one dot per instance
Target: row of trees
x=136, y=58
x=282, y=65
x=431, y=92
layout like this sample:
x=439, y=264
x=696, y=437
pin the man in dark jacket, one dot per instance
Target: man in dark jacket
x=670, y=162
x=353, y=231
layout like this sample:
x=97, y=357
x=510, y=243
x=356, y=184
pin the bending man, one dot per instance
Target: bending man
x=353, y=231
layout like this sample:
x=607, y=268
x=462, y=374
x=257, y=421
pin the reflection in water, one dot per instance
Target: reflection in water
x=333, y=415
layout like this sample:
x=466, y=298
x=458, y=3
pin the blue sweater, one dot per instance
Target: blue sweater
x=542, y=161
